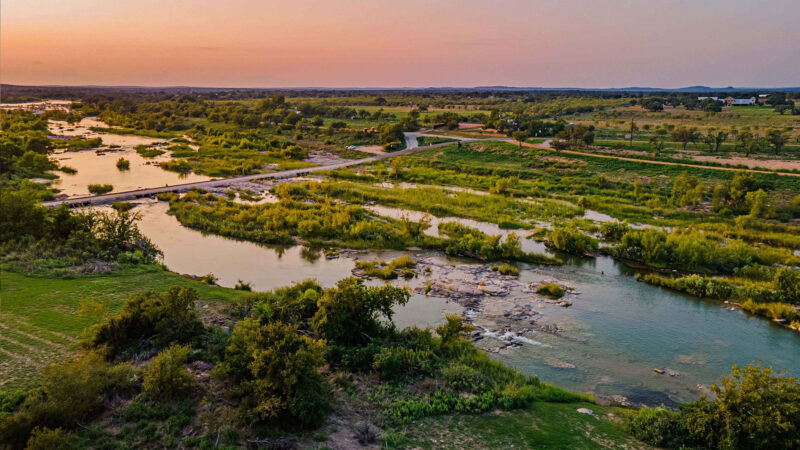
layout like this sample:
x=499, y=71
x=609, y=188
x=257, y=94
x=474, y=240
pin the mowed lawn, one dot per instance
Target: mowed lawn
x=41, y=319
x=541, y=426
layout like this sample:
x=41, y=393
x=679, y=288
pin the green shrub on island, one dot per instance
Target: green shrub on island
x=506, y=269
x=148, y=152
x=403, y=265
x=552, y=290
x=694, y=251
x=123, y=164
x=570, y=239
x=613, y=231
x=99, y=189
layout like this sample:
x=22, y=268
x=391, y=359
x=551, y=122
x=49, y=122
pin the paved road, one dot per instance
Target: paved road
x=149, y=192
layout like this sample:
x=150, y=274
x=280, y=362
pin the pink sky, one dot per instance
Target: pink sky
x=376, y=43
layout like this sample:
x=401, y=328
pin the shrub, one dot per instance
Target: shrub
x=396, y=363
x=167, y=377
x=243, y=286
x=570, y=239
x=70, y=393
x=506, y=269
x=123, y=164
x=462, y=377
x=772, y=310
x=99, y=189
x=352, y=313
x=278, y=373
x=380, y=269
x=47, y=439
x=552, y=290
x=753, y=408
x=787, y=283
x=613, y=231
x=149, y=318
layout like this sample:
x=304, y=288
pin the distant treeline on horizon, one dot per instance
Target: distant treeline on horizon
x=17, y=93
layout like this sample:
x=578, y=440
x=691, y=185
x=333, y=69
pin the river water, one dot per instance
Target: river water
x=608, y=342
x=96, y=168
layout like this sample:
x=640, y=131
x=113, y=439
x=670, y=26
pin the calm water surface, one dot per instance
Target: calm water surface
x=101, y=169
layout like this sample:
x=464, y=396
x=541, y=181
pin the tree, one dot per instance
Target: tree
x=520, y=137
x=753, y=408
x=787, y=283
x=685, y=135
x=743, y=141
x=757, y=145
x=558, y=144
x=757, y=408
x=719, y=138
x=633, y=129
x=652, y=104
x=150, y=317
x=397, y=167
x=757, y=201
x=777, y=138
x=658, y=145
x=352, y=313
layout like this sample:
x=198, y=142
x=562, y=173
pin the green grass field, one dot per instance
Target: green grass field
x=42, y=319
x=542, y=426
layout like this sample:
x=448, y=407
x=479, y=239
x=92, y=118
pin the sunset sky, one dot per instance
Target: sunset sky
x=411, y=43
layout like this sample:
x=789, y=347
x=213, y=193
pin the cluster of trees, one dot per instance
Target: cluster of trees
x=62, y=238
x=465, y=241
x=24, y=146
x=693, y=251
x=570, y=239
x=574, y=136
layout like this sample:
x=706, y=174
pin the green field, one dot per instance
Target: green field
x=42, y=318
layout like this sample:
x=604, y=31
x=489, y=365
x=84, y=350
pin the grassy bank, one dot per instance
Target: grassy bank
x=43, y=318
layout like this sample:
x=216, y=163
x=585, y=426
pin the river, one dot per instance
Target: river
x=607, y=343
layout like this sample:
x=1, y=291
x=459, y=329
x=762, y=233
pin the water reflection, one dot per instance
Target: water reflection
x=100, y=168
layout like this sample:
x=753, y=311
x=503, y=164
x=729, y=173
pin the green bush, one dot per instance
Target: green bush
x=47, y=439
x=123, y=164
x=352, y=313
x=753, y=408
x=506, y=269
x=570, y=239
x=397, y=363
x=70, y=393
x=613, y=231
x=277, y=373
x=552, y=290
x=167, y=378
x=159, y=318
x=99, y=189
